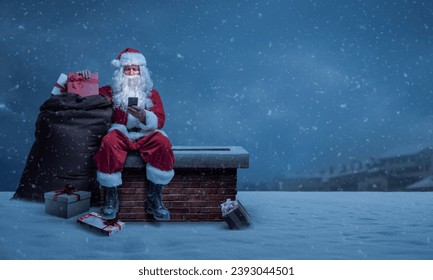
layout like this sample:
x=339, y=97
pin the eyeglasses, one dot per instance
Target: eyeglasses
x=131, y=69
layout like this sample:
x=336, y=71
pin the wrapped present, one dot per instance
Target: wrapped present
x=107, y=227
x=84, y=87
x=60, y=85
x=67, y=202
x=235, y=215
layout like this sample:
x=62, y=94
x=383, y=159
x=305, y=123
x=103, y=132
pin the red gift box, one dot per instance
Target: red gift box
x=84, y=87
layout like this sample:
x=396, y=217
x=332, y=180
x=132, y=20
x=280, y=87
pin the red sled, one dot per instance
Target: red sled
x=84, y=87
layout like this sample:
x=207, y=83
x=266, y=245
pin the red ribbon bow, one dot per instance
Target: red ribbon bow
x=76, y=80
x=69, y=189
x=111, y=223
x=62, y=88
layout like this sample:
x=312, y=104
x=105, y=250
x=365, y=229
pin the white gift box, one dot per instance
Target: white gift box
x=107, y=227
x=66, y=204
x=60, y=85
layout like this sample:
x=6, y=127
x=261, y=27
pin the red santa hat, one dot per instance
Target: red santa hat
x=129, y=57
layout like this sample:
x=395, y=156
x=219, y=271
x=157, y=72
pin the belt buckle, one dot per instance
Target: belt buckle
x=134, y=129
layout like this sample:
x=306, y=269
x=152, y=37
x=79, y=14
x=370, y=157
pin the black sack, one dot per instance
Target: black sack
x=69, y=130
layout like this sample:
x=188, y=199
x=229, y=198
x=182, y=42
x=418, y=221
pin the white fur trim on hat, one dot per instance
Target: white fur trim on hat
x=109, y=180
x=129, y=58
x=158, y=176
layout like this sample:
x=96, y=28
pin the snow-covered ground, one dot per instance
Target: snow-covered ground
x=287, y=225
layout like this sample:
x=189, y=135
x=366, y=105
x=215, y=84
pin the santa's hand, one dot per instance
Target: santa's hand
x=137, y=112
x=84, y=73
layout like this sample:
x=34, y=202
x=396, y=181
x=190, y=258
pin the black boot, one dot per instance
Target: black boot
x=111, y=205
x=154, y=204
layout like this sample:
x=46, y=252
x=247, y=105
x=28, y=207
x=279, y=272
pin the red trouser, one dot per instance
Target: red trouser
x=155, y=149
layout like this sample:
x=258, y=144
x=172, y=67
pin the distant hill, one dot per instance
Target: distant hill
x=412, y=171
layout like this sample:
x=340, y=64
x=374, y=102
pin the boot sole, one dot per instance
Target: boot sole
x=109, y=216
x=164, y=218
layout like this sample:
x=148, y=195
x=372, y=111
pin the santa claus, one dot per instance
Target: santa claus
x=137, y=127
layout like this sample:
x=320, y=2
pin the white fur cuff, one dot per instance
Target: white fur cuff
x=151, y=121
x=132, y=121
x=158, y=176
x=109, y=180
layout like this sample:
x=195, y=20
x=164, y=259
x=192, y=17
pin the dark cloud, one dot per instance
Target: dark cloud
x=299, y=84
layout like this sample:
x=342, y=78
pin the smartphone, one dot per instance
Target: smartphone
x=132, y=101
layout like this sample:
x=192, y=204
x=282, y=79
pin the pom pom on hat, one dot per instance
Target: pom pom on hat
x=129, y=57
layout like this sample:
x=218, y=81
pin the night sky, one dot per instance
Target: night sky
x=301, y=85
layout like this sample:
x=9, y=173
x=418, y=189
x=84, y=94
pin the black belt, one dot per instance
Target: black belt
x=134, y=129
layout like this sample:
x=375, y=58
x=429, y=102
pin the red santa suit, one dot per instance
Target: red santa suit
x=128, y=133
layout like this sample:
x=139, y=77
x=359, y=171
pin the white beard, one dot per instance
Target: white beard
x=129, y=86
